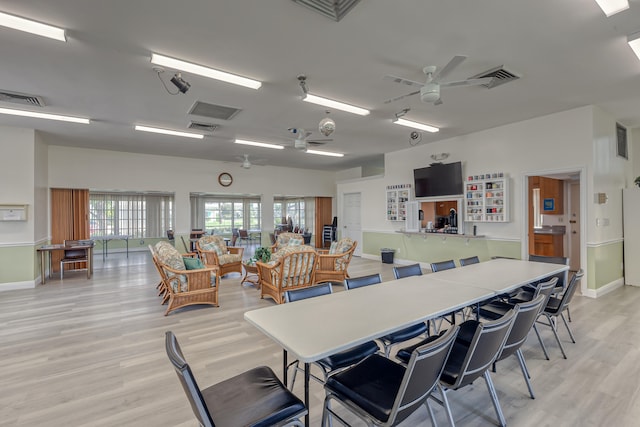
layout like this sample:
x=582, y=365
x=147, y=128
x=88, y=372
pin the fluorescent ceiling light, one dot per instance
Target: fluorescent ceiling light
x=200, y=70
x=32, y=27
x=325, y=153
x=168, y=132
x=258, y=144
x=634, y=42
x=314, y=99
x=611, y=7
x=44, y=116
x=416, y=125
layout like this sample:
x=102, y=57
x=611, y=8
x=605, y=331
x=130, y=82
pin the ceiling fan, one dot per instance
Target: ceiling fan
x=302, y=141
x=430, y=90
x=246, y=163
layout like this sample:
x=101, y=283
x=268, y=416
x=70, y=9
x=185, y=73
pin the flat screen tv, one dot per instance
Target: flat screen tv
x=439, y=179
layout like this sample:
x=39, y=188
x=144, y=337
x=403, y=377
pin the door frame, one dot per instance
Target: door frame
x=582, y=171
x=358, y=251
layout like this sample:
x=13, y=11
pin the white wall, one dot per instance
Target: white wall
x=110, y=170
x=41, y=190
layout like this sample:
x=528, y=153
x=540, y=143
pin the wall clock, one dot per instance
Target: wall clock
x=225, y=179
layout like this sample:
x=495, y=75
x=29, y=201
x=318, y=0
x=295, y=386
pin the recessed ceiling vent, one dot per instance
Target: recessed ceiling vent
x=214, y=111
x=333, y=9
x=21, y=98
x=206, y=127
x=500, y=76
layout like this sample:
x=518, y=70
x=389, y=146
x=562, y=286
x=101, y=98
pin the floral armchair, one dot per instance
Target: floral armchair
x=283, y=240
x=183, y=286
x=213, y=251
x=333, y=262
x=291, y=267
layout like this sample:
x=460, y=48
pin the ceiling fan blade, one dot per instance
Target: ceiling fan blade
x=400, y=80
x=468, y=82
x=388, y=101
x=319, y=141
x=455, y=61
x=306, y=134
x=438, y=102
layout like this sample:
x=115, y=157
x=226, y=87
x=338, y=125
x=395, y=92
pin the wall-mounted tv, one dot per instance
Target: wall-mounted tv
x=439, y=179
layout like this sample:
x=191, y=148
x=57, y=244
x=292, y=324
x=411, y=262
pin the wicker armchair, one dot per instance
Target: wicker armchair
x=282, y=240
x=213, y=251
x=292, y=267
x=184, y=287
x=333, y=263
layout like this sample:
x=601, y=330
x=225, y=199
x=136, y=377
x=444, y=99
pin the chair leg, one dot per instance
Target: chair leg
x=525, y=372
x=544, y=348
x=431, y=415
x=569, y=314
x=567, y=326
x=494, y=399
x=293, y=376
x=445, y=403
x=555, y=333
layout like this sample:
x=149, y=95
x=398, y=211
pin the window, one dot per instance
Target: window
x=294, y=208
x=537, y=211
x=222, y=214
x=138, y=215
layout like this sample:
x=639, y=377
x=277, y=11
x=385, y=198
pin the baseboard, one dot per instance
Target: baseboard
x=12, y=286
x=603, y=290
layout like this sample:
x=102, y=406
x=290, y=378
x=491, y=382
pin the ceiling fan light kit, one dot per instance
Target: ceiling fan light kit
x=212, y=73
x=611, y=7
x=33, y=27
x=258, y=144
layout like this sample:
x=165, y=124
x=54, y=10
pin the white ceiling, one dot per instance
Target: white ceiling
x=568, y=54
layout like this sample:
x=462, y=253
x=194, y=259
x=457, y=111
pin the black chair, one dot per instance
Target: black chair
x=71, y=256
x=253, y=398
x=556, y=306
x=404, y=334
x=527, y=314
x=407, y=270
x=468, y=261
x=525, y=293
x=357, y=282
x=442, y=265
x=476, y=348
x=335, y=362
x=497, y=308
x=384, y=393
x=171, y=237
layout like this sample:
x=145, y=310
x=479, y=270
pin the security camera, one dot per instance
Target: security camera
x=182, y=85
x=415, y=135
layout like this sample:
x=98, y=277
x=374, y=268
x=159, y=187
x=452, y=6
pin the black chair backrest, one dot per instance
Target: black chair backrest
x=562, y=277
x=407, y=270
x=357, y=282
x=75, y=253
x=187, y=380
x=486, y=344
x=171, y=235
x=526, y=316
x=422, y=375
x=568, y=293
x=310, y=292
x=442, y=265
x=469, y=261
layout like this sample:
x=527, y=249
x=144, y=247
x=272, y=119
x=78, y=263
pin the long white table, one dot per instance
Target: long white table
x=104, y=240
x=321, y=326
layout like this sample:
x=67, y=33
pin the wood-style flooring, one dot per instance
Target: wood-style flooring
x=84, y=352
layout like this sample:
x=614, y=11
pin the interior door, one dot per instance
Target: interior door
x=352, y=220
x=574, y=226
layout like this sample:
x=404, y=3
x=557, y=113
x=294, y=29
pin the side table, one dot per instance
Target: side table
x=251, y=275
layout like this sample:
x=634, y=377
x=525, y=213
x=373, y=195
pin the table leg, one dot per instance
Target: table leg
x=127, y=240
x=284, y=367
x=306, y=393
x=106, y=248
x=42, y=267
x=89, y=262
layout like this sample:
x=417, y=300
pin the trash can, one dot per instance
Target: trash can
x=387, y=255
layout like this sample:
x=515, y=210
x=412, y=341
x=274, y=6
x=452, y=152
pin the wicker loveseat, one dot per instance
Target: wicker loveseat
x=291, y=267
x=333, y=262
x=213, y=251
x=184, y=287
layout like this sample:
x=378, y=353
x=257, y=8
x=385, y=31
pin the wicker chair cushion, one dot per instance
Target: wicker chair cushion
x=283, y=239
x=213, y=243
x=229, y=258
x=299, y=277
x=169, y=256
x=342, y=246
x=295, y=242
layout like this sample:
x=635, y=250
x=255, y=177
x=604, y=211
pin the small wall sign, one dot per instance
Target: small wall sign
x=548, y=204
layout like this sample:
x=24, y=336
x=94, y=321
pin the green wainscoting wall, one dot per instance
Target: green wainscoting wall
x=430, y=248
x=18, y=264
x=604, y=264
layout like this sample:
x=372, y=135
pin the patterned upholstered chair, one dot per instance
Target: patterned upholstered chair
x=333, y=262
x=291, y=267
x=283, y=240
x=213, y=251
x=184, y=287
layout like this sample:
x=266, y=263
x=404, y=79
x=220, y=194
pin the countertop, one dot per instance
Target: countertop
x=554, y=229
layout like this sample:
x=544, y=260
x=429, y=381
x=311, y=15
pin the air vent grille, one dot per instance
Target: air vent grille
x=500, y=76
x=333, y=9
x=206, y=127
x=214, y=111
x=21, y=98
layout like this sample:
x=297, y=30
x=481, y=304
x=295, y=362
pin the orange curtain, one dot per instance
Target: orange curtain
x=69, y=220
x=323, y=216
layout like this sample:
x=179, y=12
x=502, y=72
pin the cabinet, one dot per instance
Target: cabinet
x=397, y=198
x=487, y=200
x=444, y=207
x=551, y=196
x=548, y=244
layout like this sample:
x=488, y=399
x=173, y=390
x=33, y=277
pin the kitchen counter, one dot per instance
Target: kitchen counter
x=554, y=230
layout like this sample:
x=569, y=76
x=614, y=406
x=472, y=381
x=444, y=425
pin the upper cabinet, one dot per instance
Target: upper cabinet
x=551, y=196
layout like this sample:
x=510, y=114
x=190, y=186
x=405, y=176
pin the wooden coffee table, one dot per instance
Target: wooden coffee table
x=251, y=275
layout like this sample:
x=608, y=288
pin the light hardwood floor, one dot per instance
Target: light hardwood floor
x=84, y=352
